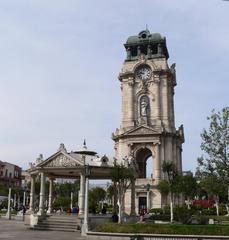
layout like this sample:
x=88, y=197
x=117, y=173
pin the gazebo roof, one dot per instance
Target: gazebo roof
x=71, y=164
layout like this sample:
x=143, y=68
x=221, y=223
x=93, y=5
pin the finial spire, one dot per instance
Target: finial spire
x=147, y=27
x=84, y=144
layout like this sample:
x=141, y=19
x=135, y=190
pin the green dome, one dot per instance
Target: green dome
x=145, y=36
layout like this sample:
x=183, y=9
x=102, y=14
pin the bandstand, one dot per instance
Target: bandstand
x=83, y=165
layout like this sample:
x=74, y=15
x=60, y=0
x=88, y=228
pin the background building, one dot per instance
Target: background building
x=10, y=174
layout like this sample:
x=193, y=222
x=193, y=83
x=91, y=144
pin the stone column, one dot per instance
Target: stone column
x=162, y=156
x=85, y=224
x=15, y=200
x=8, y=214
x=32, y=190
x=18, y=200
x=133, y=211
x=24, y=197
x=157, y=171
x=157, y=98
x=165, y=104
x=131, y=101
x=71, y=205
x=42, y=195
x=82, y=194
x=50, y=195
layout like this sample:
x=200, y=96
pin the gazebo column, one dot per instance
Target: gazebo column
x=50, y=195
x=32, y=191
x=42, y=195
x=82, y=194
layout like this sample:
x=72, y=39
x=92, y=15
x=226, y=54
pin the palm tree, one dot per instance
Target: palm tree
x=170, y=170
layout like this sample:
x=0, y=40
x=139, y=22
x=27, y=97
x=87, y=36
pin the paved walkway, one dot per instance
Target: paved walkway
x=16, y=230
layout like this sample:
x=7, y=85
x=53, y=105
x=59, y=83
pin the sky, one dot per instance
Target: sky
x=59, y=63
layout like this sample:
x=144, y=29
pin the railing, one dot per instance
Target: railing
x=126, y=236
x=178, y=238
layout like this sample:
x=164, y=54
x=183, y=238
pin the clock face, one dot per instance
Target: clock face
x=143, y=73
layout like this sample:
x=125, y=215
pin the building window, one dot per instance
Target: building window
x=6, y=173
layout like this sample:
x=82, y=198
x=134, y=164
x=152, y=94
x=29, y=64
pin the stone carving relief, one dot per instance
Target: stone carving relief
x=62, y=161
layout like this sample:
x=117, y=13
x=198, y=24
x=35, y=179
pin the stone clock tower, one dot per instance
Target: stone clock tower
x=148, y=122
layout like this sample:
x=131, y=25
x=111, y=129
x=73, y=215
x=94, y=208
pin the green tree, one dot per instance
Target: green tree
x=188, y=187
x=110, y=192
x=122, y=177
x=215, y=144
x=96, y=195
x=213, y=166
x=172, y=175
x=3, y=190
x=163, y=187
x=214, y=187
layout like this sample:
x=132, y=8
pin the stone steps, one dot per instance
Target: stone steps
x=48, y=228
x=59, y=223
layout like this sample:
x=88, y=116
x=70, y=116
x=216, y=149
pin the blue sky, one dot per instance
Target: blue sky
x=59, y=62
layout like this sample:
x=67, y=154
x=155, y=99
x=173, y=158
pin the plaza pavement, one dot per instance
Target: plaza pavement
x=11, y=229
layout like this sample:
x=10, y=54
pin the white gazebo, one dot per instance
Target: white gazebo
x=83, y=165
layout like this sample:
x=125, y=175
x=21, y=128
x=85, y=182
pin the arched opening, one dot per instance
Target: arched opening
x=149, y=167
x=145, y=163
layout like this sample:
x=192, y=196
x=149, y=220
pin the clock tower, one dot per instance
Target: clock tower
x=148, y=123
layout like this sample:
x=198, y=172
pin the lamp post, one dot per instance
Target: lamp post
x=85, y=224
x=148, y=198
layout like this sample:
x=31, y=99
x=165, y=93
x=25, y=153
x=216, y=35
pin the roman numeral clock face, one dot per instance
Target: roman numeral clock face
x=143, y=73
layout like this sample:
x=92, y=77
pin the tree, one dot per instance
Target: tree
x=110, y=193
x=170, y=170
x=96, y=195
x=122, y=177
x=215, y=144
x=163, y=187
x=188, y=187
x=213, y=166
x=214, y=187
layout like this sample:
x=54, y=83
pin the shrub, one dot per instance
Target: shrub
x=210, y=211
x=182, y=214
x=166, y=209
x=222, y=209
x=160, y=217
x=156, y=211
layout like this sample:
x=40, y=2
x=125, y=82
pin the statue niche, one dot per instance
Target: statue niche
x=144, y=109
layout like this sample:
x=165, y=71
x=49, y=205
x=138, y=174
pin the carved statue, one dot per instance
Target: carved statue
x=144, y=105
x=173, y=68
